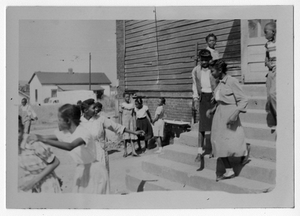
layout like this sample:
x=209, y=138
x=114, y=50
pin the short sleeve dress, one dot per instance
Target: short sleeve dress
x=33, y=159
x=228, y=141
x=90, y=175
x=127, y=119
x=158, y=129
x=143, y=123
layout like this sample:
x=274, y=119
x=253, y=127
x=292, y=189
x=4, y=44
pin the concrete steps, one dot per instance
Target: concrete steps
x=256, y=169
x=260, y=149
x=254, y=116
x=175, y=169
x=204, y=180
x=257, y=102
x=259, y=132
x=255, y=90
x=139, y=181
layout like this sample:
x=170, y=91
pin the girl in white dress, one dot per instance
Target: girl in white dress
x=90, y=175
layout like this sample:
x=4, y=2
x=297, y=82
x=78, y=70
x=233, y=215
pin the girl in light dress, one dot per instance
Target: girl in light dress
x=159, y=124
x=97, y=126
x=126, y=116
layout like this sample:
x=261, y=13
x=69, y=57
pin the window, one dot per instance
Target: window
x=256, y=27
x=53, y=92
x=36, y=95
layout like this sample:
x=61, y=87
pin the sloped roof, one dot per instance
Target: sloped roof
x=79, y=87
x=54, y=78
x=24, y=94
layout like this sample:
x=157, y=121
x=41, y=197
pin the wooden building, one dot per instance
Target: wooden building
x=155, y=58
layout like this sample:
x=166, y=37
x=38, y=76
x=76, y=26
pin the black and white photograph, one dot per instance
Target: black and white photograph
x=152, y=107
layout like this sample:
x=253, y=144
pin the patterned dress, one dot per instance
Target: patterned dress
x=127, y=119
x=271, y=76
x=33, y=159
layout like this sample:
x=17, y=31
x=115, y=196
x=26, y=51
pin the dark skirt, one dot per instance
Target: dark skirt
x=204, y=105
x=144, y=125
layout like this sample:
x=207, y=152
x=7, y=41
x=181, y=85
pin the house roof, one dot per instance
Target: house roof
x=79, y=87
x=54, y=78
x=24, y=94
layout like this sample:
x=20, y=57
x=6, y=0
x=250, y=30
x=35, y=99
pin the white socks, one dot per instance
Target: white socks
x=159, y=150
x=229, y=172
x=200, y=150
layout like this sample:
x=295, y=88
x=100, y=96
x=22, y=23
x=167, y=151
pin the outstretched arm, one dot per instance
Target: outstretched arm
x=117, y=128
x=61, y=145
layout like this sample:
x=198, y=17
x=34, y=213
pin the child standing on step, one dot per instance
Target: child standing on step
x=203, y=85
x=126, y=116
x=270, y=62
x=211, y=41
x=143, y=121
x=159, y=124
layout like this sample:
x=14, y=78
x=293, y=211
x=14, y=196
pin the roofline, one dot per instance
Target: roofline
x=25, y=95
x=69, y=83
x=31, y=78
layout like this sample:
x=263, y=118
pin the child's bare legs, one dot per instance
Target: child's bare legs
x=158, y=140
x=139, y=144
x=133, y=148
x=146, y=145
x=125, y=148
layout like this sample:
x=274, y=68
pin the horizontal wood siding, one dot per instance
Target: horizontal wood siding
x=159, y=58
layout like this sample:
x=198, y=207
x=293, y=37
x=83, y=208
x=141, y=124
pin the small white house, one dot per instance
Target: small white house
x=45, y=85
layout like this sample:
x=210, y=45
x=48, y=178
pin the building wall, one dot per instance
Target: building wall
x=43, y=91
x=106, y=89
x=156, y=59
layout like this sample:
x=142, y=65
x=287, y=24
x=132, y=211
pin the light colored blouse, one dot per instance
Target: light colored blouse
x=83, y=154
x=197, y=82
x=141, y=113
x=126, y=106
x=27, y=113
x=160, y=112
x=229, y=91
x=214, y=53
x=205, y=82
x=97, y=125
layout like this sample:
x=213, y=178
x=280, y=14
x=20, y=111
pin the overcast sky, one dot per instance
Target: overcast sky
x=56, y=45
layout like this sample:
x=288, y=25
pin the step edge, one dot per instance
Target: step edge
x=241, y=180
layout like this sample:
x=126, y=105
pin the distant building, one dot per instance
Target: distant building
x=23, y=95
x=44, y=85
x=113, y=90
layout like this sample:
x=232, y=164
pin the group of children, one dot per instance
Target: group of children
x=137, y=117
x=81, y=130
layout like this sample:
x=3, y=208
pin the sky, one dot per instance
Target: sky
x=57, y=45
